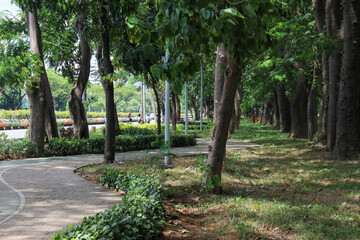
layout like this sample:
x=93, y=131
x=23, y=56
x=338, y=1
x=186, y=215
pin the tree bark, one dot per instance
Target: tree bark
x=298, y=110
x=348, y=116
x=333, y=23
x=106, y=69
x=267, y=114
x=34, y=88
x=195, y=105
x=275, y=114
x=320, y=16
x=312, y=106
x=284, y=108
x=158, y=117
x=235, y=119
x=152, y=104
x=219, y=133
x=76, y=106
x=219, y=78
x=178, y=107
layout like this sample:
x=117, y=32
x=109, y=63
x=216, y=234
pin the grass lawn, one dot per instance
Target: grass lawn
x=285, y=189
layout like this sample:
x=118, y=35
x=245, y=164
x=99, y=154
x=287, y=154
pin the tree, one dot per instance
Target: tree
x=348, y=118
x=60, y=89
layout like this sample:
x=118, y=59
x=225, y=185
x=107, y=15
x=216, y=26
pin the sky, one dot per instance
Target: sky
x=6, y=4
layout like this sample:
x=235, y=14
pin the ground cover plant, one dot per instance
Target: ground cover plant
x=284, y=189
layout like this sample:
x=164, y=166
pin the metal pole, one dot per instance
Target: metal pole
x=143, y=104
x=186, y=110
x=167, y=160
x=201, y=96
x=167, y=122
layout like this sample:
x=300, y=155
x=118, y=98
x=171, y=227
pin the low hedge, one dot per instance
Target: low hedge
x=62, y=147
x=140, y=216
x=25, y=114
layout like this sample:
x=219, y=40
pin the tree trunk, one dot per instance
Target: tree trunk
x=195, y=105
x=235, y=119
x=76, y=106
x=298, y=110
x=275, y=114
x=178, y=107
x=333, y=23
x=105, y=69
x=320, y=16
x=219, y=133
x=152, y=104
x=284, y=108
x=312, y=106
x=34, y=89
x=267, y=114
x=348, y=116
x=219, y=78
x=158, y=117
x=206, y=109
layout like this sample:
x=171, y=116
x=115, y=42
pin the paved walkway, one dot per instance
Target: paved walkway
x=39, y=197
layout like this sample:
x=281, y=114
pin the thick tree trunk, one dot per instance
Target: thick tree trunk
x=219, y=133
x=333, y=28
x=299, y=111
x=173, y=113
x=50, y=119
x=284, y=108
x=267, y=114
x=320, y=16
x=34, y=89
x=76, y=106
x=219, y=78
x=348, y=114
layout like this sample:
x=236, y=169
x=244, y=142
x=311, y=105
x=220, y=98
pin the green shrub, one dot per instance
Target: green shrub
x=12, y=149
x=140, y=216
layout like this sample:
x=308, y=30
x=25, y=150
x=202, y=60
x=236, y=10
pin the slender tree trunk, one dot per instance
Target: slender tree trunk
x=284, y=108
x=348, y=114
x=76, y=106
x=219, y=78
x=235, y=119
x=178, y=107
x=152, y=103
x=195, y=105
x=219, y=133
x=206, y=109
x=105, y=69
x=276, y=114
x=158, y=117
x=312, y=106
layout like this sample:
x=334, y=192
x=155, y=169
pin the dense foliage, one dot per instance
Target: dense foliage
x=139, y=216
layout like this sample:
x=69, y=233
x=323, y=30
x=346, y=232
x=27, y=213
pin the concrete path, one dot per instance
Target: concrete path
x=39, y=197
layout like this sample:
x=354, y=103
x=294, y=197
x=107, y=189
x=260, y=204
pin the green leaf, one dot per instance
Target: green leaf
x=145, y=38
x=182, y=22
x=218, y=25
x=234, y=11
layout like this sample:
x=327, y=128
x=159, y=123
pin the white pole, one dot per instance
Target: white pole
x=167, y=122
x=201, y=96
x=143, y=104
x=167, y=160
x=186, y=110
